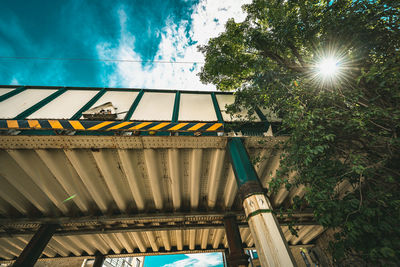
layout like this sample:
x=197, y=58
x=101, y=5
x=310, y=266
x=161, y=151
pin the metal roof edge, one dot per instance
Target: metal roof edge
x=130, y=142
x=93, y=88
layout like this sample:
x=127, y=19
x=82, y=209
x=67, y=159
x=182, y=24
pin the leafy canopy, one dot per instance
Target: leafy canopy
x=344, y=141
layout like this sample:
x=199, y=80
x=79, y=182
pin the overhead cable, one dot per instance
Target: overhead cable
x=104, y=60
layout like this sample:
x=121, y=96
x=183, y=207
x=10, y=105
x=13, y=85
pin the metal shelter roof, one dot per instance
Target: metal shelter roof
x=39, y=102
x=127, y=192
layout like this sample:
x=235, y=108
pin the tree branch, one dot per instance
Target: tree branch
x=297, y=54
x=282, y=61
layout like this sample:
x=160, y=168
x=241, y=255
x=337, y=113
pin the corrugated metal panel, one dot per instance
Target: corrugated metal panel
x=142, y=242
x=99, y=180
x=8, y=250
x=147, y=178
x=89, y=176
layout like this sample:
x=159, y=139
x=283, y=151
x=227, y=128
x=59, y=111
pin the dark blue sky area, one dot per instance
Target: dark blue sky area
x=72, y=29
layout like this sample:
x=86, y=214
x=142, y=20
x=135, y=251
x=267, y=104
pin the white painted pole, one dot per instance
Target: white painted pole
x=270, y=242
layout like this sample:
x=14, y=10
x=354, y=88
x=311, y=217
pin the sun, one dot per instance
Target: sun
x=328, y=67
x=331, y=68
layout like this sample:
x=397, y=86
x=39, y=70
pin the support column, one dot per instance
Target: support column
x=270, y=242
x=98, y=260
x=236, y=257
x=35, y=247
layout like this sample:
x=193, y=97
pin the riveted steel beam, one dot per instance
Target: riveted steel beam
x=117, y=226
x=145, y=218
x=114, y=142
x=103, y=126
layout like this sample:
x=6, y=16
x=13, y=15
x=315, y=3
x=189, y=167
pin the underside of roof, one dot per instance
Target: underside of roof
x=152, y=178
x=130, y=194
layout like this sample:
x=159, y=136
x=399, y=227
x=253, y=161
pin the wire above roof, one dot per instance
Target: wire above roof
x=103, y=60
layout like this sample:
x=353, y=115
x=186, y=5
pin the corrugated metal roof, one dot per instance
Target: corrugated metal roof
x=112, y=182
x=126, y=193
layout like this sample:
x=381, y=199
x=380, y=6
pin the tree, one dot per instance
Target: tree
x=344, y=129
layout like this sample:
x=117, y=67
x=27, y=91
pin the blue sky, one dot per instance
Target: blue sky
x=185, y=260
x=164, y=30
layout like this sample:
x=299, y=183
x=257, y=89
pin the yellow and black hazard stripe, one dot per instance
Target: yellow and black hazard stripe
x=85, y=125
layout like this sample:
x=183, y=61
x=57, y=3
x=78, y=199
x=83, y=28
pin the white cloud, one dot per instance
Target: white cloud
x=208, y=20
x=14, y=81
x=198, y=260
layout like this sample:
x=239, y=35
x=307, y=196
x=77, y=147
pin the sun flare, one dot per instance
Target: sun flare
x=328, y=67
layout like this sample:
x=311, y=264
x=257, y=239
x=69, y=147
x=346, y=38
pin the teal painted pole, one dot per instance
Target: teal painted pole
x=12, y=93
x=270, y=242
x=175, y=114
x=217, y=109
x=134, y=105
x=244, y=171
x=89, y=104
x=40, y=104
